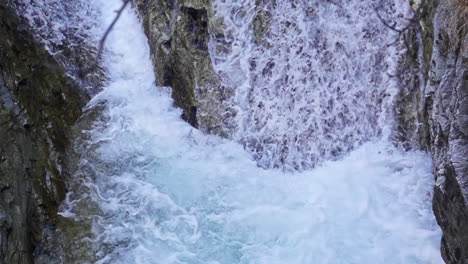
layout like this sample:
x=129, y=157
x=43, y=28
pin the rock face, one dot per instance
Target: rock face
x=178, y=33
x=433, y=112
x=39, y=102
x=447, y=104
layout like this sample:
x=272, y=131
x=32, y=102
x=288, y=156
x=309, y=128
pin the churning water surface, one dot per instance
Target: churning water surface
x=168, y=193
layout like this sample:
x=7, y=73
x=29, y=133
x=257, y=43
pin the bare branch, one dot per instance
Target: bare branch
x=111, y=26
x=411, y=22
x=392, y=27
x=84, y=71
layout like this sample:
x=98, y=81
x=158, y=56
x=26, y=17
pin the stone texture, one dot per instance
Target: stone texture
x=433, y=113
x=447, y=90
x=178, y=33
x=39, y=102
x=67, y=30
x=262, y=20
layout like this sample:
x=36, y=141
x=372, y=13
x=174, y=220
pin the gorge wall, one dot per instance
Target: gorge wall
x=40, y=99
x=433, y=111
x=178, y=37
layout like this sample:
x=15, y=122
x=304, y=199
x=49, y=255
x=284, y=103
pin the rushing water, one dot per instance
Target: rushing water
x=168, y=193
x=311, y=78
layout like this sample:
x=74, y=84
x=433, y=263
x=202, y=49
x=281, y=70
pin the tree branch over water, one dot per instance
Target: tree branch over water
x=84, y=71
x=412, y=22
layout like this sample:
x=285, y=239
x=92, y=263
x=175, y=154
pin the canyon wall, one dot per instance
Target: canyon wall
x=40, y=99
x=432, y=111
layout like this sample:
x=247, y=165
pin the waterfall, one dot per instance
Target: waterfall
x=164, y=192
x=310, y=83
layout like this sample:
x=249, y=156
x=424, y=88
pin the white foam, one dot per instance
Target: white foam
x=169, y=194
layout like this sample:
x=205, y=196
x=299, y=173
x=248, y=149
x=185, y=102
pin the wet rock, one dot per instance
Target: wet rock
x=262, y=20
x=178, y=33
x=433, y=113
x=39, y=101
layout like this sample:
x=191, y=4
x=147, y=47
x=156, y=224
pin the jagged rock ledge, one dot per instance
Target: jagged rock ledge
x=40, y=100
x=178, y=32
x=433, y=112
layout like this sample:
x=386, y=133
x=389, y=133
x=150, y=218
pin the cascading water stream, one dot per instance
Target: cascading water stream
x=311, y=78
x=167, y=193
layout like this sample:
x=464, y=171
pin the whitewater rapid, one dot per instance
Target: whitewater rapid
x=167, y=193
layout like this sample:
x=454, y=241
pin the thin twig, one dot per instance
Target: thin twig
x=83, y=72
x=412, y=21
x=392, y=27
x=111, y=26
